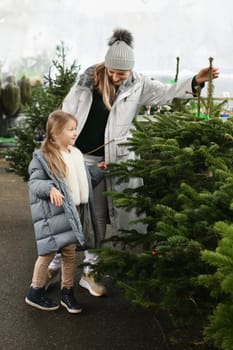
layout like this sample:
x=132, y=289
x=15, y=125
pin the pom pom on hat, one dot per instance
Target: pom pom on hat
x=120, y=54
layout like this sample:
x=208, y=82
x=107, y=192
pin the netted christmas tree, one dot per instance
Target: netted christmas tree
x=9, y=104
x=10, y=96
x=45, y=98
x=25, y=90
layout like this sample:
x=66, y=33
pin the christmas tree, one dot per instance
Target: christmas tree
x=219, y=329
x=45, y=98
x=186, y=164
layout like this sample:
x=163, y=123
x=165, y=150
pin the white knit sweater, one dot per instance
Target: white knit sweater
x=76, y=178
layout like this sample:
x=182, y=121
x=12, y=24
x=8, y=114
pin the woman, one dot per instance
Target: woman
x=105, y=100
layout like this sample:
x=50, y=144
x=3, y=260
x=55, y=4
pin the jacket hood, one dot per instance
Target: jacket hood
x=86, y=79
x=39, y=155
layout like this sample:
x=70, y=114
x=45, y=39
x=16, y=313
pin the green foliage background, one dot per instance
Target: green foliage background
x=44, y=99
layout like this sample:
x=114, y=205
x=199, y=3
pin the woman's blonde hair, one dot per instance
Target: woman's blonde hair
x=55, y=125
x=104, y=85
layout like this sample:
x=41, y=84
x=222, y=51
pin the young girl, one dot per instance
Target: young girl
x=58, y=184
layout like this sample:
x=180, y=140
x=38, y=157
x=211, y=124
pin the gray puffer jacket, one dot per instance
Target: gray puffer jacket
x=55, y=227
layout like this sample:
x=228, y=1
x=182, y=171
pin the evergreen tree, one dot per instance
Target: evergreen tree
x=186, y=164
x=219, y=329
x=45, y=98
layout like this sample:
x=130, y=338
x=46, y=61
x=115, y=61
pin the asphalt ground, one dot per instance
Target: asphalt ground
x=106, y=323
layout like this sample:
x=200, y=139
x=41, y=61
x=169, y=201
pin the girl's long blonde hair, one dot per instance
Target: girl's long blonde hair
x=104, y=85
x=55, y=125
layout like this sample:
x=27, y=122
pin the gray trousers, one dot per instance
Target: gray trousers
x=100, y=201
x=101, y=208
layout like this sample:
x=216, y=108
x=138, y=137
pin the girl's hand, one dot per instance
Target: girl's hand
x=102, y=165
x=56, y=197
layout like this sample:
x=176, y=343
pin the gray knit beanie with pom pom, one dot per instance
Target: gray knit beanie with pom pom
x=120, y=53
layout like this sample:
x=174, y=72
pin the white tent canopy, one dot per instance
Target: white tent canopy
x=194, y=30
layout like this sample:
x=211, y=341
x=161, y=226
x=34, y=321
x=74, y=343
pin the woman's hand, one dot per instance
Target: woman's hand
x=56, y=197
x=204, y=74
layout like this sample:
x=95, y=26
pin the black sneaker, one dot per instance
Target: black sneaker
x=38, y=298
x=69, y=302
